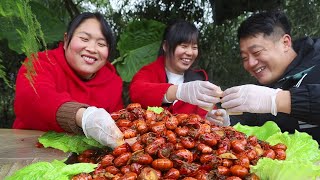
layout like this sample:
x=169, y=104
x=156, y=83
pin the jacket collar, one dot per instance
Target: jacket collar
x=300, y=65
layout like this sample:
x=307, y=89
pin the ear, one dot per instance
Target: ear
x=164, y=46
x=287, y=42
x=65, y=38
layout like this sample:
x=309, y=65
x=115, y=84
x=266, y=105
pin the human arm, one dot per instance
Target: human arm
x=298, y=102
x=69, y=116
x=200, y=93
x=283, y=101
x=94, y=122
x=79, y=115
x=305, y=103
x=256, y=99
x=97, y=123
x=56, y=91
x=149, y=85
x=38, y=113
x=36, y=102
x=253, y=99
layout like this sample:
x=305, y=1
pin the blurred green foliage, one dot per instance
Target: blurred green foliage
x=138, y=45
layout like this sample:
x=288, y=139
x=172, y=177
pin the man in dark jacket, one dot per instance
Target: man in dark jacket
x=288, y=74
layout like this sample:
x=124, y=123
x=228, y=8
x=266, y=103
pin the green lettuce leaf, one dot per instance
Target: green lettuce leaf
x=155, y=109
x=279, y=170
x=262, y=132
x=54, y=170
x=301, y=163
x=300, y=146
x=302, y=154
x=68, y=143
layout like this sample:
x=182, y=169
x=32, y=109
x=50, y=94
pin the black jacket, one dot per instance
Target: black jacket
x=302, y=79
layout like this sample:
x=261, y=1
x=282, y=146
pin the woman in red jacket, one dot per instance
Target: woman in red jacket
x=171, y=83
x=71, y=82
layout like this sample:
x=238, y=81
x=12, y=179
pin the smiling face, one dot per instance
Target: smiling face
x=183, y=57
x=87, y=51
x=266, y=58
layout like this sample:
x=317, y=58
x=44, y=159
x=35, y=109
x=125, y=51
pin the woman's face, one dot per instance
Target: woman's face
x=183, y=57
x=88, y=50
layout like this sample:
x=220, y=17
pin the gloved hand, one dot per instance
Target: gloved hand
x=250, y=98
x=218, y=117
x=98, y=124
x=200, y=93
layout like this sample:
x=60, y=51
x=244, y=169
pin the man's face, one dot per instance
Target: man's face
x=265, y=57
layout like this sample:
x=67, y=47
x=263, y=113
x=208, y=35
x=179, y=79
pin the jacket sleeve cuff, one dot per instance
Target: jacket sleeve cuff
x=300, y=105
x=66, y=116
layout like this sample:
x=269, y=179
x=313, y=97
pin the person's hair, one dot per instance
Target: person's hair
x=177, y=32
x=105, y=28
x=269, y=23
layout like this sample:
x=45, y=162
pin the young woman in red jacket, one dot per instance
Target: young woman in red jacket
x=171, y=83
x=71, y=82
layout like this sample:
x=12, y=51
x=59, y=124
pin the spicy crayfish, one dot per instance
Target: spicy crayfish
x=177, y=146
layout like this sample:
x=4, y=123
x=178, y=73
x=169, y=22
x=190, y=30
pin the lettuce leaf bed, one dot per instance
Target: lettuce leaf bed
x=68, y=143
x=56, y=170
x=302, y=152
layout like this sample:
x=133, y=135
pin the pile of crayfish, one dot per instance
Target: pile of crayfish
x=177, y=146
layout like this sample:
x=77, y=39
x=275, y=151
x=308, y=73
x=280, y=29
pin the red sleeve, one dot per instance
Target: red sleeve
x=149, y=85
x=55, y=83
x=36, y=105
x=110, y=89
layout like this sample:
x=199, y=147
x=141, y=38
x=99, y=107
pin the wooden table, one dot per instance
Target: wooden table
x=17, y=149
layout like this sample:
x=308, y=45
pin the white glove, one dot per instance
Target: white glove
x=200, y=93
x=98, y=124
x=218, y=117
x=250, y=98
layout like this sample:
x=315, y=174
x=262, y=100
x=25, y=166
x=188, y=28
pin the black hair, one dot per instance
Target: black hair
x=105, y=28
x=268, y=23
x=177, y=32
